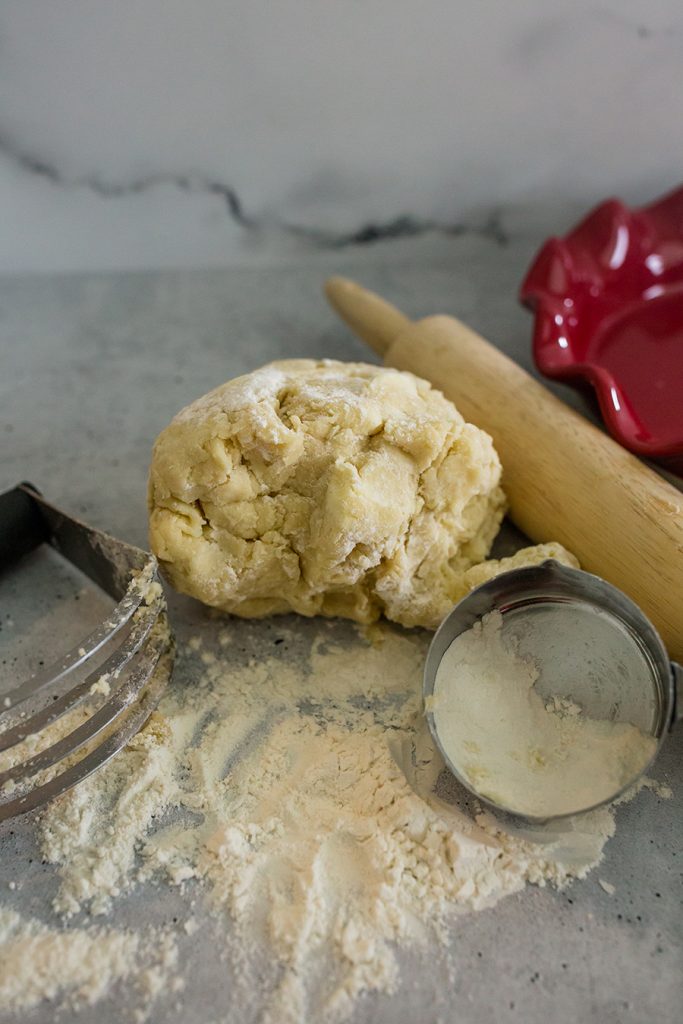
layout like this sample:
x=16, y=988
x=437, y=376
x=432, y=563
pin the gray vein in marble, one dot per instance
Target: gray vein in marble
x=114, y=190
x=403, y=226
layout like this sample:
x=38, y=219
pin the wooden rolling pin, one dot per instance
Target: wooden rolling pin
x=565, y=479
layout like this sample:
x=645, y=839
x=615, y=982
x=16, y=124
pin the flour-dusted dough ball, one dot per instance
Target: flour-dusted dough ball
x=324, y=488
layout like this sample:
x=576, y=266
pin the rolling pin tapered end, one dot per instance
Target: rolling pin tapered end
x=373, y=319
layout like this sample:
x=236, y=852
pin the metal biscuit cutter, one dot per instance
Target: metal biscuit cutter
x=590, y=642
x=71, y=717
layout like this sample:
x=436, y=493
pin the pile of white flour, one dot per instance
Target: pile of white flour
x=299, y=788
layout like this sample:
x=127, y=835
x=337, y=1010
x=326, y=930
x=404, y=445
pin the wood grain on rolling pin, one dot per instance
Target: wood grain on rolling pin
x=565, y=479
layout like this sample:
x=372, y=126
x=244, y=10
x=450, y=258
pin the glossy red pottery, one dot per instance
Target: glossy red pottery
x=608, y=303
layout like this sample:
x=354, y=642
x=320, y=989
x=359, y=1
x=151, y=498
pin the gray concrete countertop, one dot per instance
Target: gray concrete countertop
x=91, y=368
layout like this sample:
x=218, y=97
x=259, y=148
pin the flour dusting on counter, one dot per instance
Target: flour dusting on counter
x=39, y=963
x=302, y=797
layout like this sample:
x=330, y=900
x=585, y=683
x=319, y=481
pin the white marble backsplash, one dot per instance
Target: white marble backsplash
x=150, y=133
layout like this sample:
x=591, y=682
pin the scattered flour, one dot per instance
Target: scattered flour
x=39, y=963
x=304, y=798
x=660, y=789
x=529, y=754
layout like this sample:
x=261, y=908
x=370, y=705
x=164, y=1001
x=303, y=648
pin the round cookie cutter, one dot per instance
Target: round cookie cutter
x=590, y=643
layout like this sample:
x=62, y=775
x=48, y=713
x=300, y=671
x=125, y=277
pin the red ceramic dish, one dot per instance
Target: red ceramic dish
x=608, y=299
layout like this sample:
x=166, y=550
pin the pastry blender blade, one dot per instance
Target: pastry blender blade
x=71, y=717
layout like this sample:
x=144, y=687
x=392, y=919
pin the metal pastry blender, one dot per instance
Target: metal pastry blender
x=72, y=716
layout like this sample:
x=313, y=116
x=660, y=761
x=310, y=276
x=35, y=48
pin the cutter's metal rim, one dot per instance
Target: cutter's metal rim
x=554, y=570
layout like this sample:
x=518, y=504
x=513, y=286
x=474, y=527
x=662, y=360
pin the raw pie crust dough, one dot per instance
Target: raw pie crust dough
x=328, y=488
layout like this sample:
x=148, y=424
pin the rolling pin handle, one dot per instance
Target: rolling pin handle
x=373, y=319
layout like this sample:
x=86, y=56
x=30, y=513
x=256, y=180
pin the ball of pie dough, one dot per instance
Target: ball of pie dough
x=324, y=488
